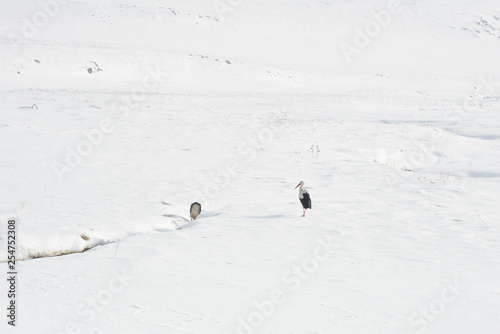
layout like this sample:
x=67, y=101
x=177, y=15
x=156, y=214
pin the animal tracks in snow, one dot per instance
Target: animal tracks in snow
x=485, y=26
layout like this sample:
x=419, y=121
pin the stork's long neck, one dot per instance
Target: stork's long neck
x=301, y=191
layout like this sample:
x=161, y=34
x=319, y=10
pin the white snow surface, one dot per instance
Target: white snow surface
x=231, y=104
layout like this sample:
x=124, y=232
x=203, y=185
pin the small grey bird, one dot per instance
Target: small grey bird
x=195, y=210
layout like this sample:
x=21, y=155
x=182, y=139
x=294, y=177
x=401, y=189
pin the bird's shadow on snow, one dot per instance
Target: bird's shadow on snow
x=177, y=224
x=188, y=225
x=206, y=214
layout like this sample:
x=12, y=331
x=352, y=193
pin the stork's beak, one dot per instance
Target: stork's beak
x=297, y=186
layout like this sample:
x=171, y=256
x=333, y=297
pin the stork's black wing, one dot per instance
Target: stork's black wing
x=306, y=201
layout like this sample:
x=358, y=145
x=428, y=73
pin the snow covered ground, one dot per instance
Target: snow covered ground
x=116, y=115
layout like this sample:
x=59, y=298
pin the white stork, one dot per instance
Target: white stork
x=304, y=198
x=195, y=210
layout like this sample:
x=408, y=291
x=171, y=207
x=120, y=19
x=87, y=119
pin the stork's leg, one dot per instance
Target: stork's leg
x=304, y=213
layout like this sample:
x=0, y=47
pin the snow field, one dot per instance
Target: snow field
x=391, y=122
